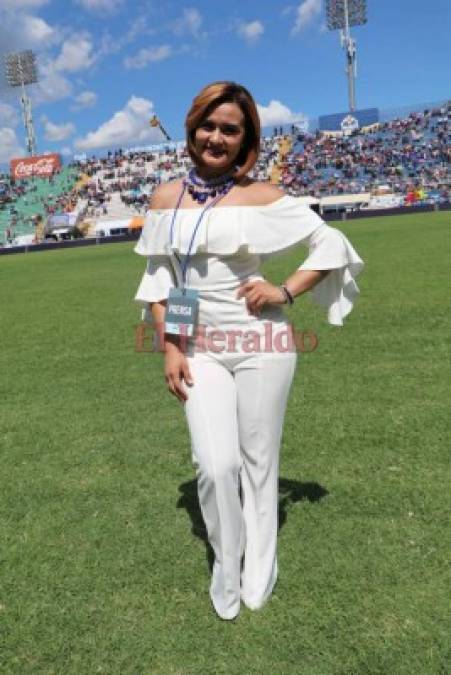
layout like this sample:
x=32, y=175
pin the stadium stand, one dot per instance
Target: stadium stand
x=401, y=162
x=25, y=203
x=405, y=154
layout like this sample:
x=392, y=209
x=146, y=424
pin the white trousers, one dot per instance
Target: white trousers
x=235, y=411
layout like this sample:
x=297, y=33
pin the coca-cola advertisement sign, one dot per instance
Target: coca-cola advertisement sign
x=41, y=165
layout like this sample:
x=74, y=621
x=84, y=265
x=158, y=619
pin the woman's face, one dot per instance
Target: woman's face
x=219, y=137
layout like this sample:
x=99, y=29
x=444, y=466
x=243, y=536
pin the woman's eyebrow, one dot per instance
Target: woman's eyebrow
x=230, y=125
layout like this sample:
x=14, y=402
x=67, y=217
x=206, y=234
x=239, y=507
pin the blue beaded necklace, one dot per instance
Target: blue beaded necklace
x=201, y=189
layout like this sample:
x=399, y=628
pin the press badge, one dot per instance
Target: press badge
x=181, y=311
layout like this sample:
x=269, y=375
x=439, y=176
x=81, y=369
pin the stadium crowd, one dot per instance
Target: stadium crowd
x=410, y=155
x=132, y=176
x=24, y=203
x=405, y=154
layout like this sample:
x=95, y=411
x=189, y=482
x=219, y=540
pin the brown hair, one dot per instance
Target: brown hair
x=211, y=97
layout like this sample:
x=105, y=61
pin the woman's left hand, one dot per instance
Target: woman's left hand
x=259, y=293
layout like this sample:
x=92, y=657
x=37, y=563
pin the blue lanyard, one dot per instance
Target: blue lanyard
x=193, y=236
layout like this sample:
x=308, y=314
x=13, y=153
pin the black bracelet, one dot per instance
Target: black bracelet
x=289, y=298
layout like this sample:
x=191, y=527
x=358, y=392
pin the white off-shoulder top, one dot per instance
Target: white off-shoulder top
x=232, y=241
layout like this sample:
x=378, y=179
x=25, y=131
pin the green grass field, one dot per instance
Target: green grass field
x=103, y=560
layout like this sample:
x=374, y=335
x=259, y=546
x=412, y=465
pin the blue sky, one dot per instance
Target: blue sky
x=107, y=65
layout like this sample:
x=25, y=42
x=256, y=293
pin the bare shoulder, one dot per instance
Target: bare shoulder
x=259, y=193
x=165, y=195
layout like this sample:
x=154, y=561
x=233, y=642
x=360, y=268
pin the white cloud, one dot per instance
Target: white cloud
x=22, y=4
x=66, y=151
x=52, y=85
x=138, y=26
x=100, y=5
x=20, y=31
x=107, y=44
x=36, y=30
x=189, y=23
x=85, y=100
x=286, y=11
x=76, y=53
x=9, y=145
x=278, y=113
x=129, y=125
x=145, y=56
x=251, y=31
x=305, y=13
x=9, y=116
x=56, y=132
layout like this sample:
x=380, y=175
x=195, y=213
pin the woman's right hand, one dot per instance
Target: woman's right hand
x=176, y=371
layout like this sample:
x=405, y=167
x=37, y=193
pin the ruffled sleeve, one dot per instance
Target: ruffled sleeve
x=158, y=276
x=329, y=249
x=156, y=281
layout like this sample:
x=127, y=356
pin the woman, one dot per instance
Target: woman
x=205, y=237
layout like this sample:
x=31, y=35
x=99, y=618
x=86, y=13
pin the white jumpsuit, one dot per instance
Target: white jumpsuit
x=242, y=370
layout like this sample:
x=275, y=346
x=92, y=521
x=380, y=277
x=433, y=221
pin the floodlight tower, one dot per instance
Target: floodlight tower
x=342, y=14
x=21, y=70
